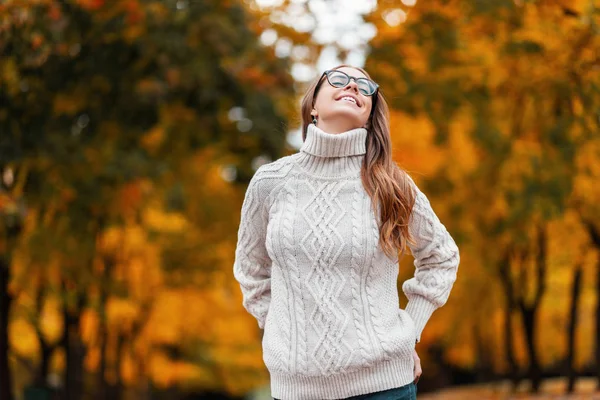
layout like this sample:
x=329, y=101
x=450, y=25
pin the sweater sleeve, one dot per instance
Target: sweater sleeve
x=436, y=263
x=252, y=265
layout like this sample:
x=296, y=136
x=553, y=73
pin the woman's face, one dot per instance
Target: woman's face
x=334, y=113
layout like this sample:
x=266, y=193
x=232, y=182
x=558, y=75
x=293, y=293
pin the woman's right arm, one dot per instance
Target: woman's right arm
x=252, y=266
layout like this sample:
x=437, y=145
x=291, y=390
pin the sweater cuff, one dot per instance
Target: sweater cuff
x=420, y=310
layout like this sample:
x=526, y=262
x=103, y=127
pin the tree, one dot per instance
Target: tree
x=98, y=97
x=490, y=98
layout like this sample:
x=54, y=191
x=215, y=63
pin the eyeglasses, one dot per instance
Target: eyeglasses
x=338, y=79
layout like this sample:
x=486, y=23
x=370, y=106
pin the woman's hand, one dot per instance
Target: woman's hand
x=418, y=371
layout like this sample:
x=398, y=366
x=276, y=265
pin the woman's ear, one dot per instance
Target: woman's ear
x=314, y=113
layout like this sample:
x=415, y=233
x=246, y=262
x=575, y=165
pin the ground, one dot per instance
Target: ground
x=551, y=389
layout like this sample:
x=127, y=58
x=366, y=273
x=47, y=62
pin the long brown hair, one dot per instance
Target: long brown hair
x=385, y=182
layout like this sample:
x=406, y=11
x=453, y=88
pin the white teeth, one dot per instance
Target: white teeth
x=347, y=98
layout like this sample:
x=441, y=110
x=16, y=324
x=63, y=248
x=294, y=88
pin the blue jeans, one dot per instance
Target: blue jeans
x=406, y=392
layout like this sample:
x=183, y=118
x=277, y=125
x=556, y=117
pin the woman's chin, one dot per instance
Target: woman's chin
x=348, y=115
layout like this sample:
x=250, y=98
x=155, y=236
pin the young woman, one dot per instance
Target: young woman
x=317, y=254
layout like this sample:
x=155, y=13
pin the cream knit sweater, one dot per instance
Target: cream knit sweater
x=314, y=277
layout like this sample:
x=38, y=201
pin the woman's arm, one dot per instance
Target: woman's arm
x=436, y=263
x=252, y=266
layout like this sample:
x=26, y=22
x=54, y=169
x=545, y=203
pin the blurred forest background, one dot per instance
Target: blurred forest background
x=130, y=128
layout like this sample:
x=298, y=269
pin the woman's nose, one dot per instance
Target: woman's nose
x=352, y=84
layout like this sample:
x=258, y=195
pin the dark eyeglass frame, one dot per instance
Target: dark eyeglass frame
x=329, y=71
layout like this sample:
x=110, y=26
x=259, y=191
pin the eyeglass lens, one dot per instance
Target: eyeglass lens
x=340, y=79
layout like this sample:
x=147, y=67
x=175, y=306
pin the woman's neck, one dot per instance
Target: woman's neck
x=332, y=154
x=335, y=126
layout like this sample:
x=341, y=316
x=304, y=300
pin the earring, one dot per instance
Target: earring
x=314, y=121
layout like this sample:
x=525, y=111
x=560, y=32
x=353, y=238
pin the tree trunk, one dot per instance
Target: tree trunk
x=74, y=354
x=5, y=301
x=102, y=389
x=74, y=349
x=44, y=368
x=529, y=322
x=509, y=306
x=529, y=311
x=11, y=232
x=598, y=321
x=575, y=293
x=144, y=388
x=101, y=384
x=116, y=390
x=513, y=372
x=41, y=377
x=483, y=364
x=594, y=233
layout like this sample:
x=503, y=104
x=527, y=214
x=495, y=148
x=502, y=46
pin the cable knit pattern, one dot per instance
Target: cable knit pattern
x=358, y=255
x=375, y=305
x=322, y=245
x=290, y=258
x=282, y=307
x=312, y=273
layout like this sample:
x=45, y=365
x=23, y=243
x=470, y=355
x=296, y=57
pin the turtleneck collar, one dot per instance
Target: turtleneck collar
x=322, y=144
x=332, y=154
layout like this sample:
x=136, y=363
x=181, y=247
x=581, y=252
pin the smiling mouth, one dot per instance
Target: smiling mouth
x=348, y=99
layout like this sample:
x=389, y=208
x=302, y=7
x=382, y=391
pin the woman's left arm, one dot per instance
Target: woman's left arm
x=436, y=263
